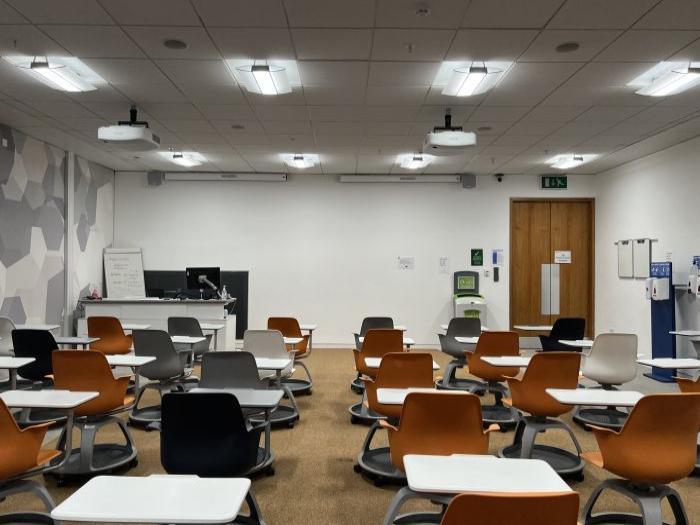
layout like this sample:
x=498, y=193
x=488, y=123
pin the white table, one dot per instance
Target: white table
x=213, y=327
x=439, y=478
x=467, y=340
x=309, y=327
x=135, y=362
x=47, y=327
x=155, y=499
x=686, y=333
x=78, y=342
x=11, y=364
x=578, y=343
x=534, y=328
x=188, y=340
x=397, y=396
x=595, y=397
x=276, y=364
x=374, y=362
x=508, y=361
x=135, y=326
x=671, y=363
x=407, y=341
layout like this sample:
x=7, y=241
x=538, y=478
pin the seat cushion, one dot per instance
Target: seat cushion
x=46, y=454
x=595, y=458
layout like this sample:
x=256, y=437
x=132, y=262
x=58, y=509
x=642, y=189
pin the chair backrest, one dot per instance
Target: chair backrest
x=196, y=439
x=229, y=370
x=439, y=423
x=157, y=343
x=612, y=360
x=265, y=343
x=464, y=327
x=6, y=327
x=688, y=386
x=377, y=343
x=112, y=339
x=494, y=344
x=88, y=371
x=546, y=370
x=512, y=509
x=18, y=449
x=289, y=327
x=38, y=344
x=368, y=323
x=658, y=442
x=568, y=328
x=188, y=326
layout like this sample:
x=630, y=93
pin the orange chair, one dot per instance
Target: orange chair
x=289, y=327
x=397, y=370
x=88, y=371
x=689, y=386
x=495, y=344
x=546, y=370
x=113, y=340
x=506, y=509
x=377, y=342
x=439, y=423
x=656, y=446
x=22, y=457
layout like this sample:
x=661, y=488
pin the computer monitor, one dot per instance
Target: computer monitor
x=466, y=283
x=197, y=278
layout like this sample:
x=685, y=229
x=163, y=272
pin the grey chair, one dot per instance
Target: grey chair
x=458, y=327
x=368, y=323
x=611, y=362
x=189, y=326
x=167, y=373
x=6, y=327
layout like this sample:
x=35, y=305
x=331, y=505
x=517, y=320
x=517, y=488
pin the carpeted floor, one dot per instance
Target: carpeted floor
x=315, y=483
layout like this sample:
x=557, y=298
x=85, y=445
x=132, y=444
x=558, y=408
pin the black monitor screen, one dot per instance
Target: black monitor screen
x=194, y=278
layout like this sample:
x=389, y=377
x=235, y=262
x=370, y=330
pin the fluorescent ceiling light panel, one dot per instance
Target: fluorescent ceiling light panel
x=60, y=73
x=569, y=161
x=464, y=79
x=667, y=78
x=186, y=159
x=300, y=160
x=414, y=161
x=263, y=77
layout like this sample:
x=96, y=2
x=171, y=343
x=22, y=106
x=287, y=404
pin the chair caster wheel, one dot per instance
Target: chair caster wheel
x=504, y=430
x=61, y=482
x=577, y=477
x=357, y=468
x=379, y=483
x=270, y=471
x=134, y=463
x=354, y=420
x=291, y=424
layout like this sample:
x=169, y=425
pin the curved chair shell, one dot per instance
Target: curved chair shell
x=38, y=344
x=169, y=362
x=377, y=343
x=494, y=344
x=113, y=340
x=289, y=327
x=612, y=360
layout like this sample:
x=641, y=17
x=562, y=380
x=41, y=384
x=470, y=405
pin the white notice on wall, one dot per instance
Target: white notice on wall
x=124, y=273
x=562, y=257
x=444, y=265
x=407, y=263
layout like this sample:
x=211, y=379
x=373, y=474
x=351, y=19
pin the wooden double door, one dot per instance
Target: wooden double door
x=552, y=254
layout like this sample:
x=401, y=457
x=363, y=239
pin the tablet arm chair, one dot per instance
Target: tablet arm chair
x=88, y=371
x=6, y=328
x=435, y=423
x=458, y=327
x=564, y=328
x=690, y=386
x=289, y=327
x=189, y=326
x=397, y=370
x=113, y=340
x=368, y=323
x=493, y=344
x=166, y=374
x=546, y=370
x=196, y=440
x=504, y=509
x=611, y=362
x=22, y=457
x=656, y=446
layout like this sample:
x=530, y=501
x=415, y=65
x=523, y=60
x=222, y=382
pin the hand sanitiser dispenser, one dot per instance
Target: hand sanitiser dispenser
x=657, y=289
x=660, y=291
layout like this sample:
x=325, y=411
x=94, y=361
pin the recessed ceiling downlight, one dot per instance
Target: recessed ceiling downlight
x=174, y=43
x=567, y=47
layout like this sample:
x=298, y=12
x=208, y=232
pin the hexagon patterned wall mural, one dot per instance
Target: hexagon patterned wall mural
x=32, y=213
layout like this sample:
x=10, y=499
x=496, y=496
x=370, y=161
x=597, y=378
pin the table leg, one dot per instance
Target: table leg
x=278, y=378
x=13, y=378
x=137, y=382
x=268, y=425
x=216, y=340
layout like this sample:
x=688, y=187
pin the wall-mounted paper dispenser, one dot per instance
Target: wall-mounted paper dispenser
x=657, y=289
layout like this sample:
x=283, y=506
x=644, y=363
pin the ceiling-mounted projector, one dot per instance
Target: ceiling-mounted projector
x=131, y=135
x=448, y=140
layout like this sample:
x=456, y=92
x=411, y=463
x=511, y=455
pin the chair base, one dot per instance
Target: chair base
x=609, y=417
x=26, y=518
x=377, y=464
x=143, y=417
x=357, y=386
x=298, y=386
x=404, y=494
x=264, y=463
x=505, y=417
x=282, y=416
x=459, y=384
x=360, y=414
x=36, y=416
x=648, y=499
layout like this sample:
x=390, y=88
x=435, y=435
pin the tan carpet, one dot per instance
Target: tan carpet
x=315, y=483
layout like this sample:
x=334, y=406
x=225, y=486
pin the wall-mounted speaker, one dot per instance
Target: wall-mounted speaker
x=155, y=178
x=468, y=180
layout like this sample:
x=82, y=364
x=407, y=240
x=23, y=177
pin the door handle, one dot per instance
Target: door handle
x=545, y=289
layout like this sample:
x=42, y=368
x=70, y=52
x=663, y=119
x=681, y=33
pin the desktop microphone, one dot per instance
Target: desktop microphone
x=203, y=279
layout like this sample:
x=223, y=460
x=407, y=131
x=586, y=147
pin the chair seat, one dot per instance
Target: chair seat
x=595, y=458
x=45, y=455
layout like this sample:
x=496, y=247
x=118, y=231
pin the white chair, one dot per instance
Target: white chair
x=6, y=327
x=270, y=344
x=611, y=362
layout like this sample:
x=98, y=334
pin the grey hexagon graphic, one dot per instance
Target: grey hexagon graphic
x=34, y=195
x=16, y=221
x=50, y=220
x=12, y=307
x=7, y=154
x=55, y=292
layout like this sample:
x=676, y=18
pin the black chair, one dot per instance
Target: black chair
x=458, y=327
x=195, y=439
x=567, y=328
x=189, y=326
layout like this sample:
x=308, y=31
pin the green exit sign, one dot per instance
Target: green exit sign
x=554, y=182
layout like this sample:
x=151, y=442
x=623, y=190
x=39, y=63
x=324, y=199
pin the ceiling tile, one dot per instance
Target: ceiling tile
x=608, y=113
x=330, y=13
x=27, y=40
x=661, y=114
x=387, y=128
x=338, y=163
x=179, y=126
x=339, y=74
x=295, y=98
x=103, y=93
x=29, y=92
x=402, y=73
x=291, y=142
x=399, y=13
x=516, y=140
x=672, y=14
x=510, y=13
x=338, y=128
x=237, y=112
x=126, y=70
x=334, y=95
x=206, y=72
x=396, y=95
x=177, y=110
x=436, y=98
x=94, y=41
x=482, y=127
x=258, y=44
x=158, y=92
x=231, y=127
x=436, y=114
x=248, y=139
x=63, y=12
x=289, y=127
x=212, y=93
x=599, y=14
x=647, y=46
x=336, y=113
x=152, y=12
x=527, y=127
x=555, y=113
x=528, y=83
x=113, y=111
x=9, y=15
x=65, y=108
x=273, y=113
x=411, y=44
x=224, y=13
x=150, y=39
x=498, y=113
x=591, y=42
x=332, y=44
x=490, y=44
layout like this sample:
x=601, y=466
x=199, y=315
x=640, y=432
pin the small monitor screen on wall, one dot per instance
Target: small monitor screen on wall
x=466, y=283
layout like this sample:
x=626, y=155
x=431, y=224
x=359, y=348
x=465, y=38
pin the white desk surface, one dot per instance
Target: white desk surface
x=374, y=362
x=212, y=326
x=12, y=363
x=397, y=396
x=517, y=361
x=310, y=327
x=578, y=343
x=467, y=340
x=406, y=340
x=130, y=360
x=248, y=397
x=686, y=333
x=270, y=363
x=533, y=328
x=469, y=473
x=135, y=326
x=293, y=340
x=48, y=327
x=668, y=362
x=400, y=327
x=187, y=340
x=60, y=399
x=595, y=396
x=155, y=499
x=79, y=340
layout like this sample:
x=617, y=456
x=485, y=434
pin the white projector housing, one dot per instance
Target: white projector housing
x=448, y=142
x=131, y=138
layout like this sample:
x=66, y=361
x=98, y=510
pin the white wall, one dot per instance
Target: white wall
x=327, y=252
x=657, y=197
